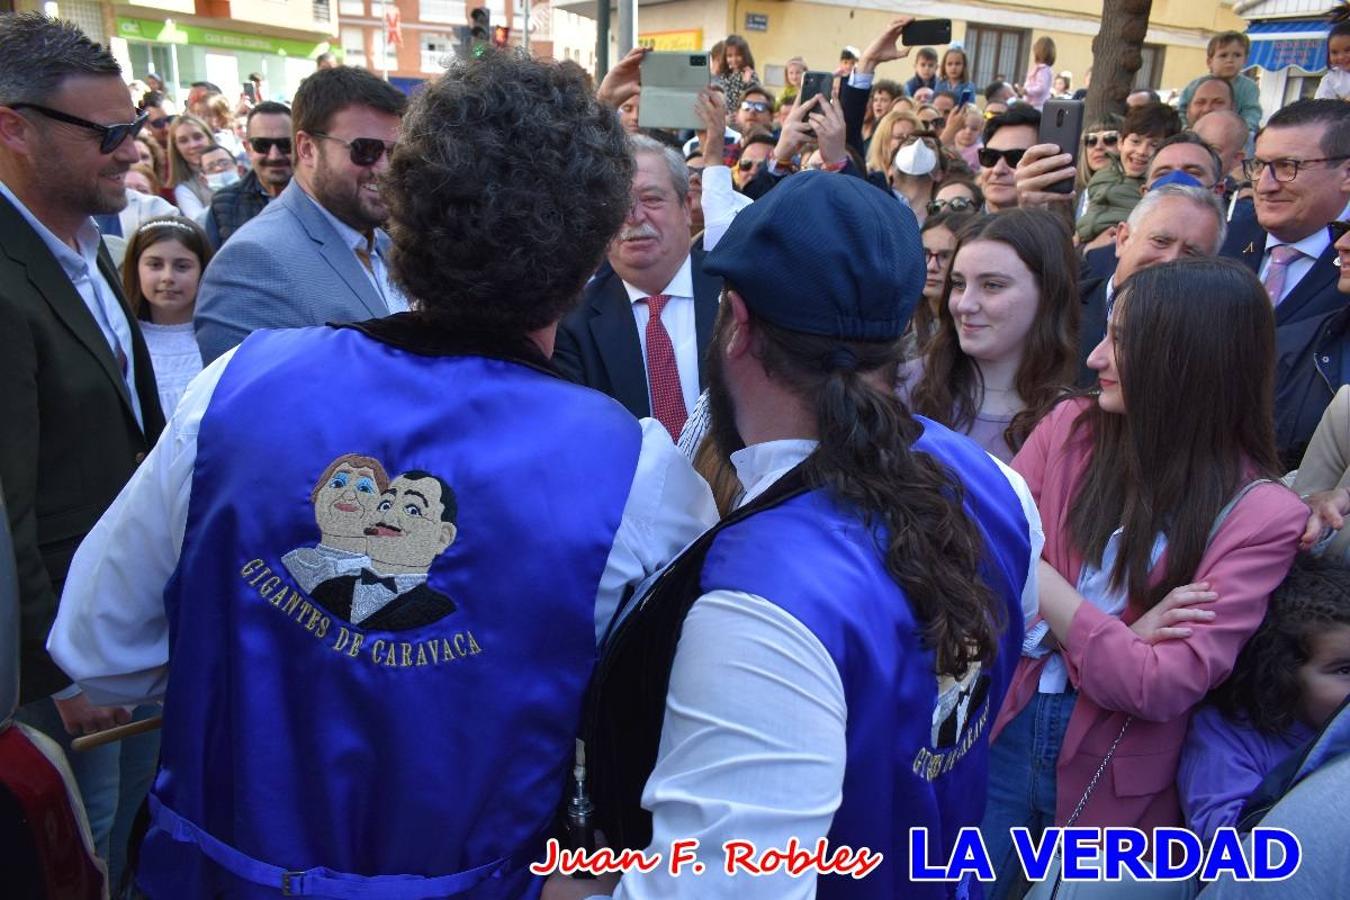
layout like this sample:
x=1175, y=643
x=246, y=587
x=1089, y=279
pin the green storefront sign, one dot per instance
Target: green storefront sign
x=175, y=33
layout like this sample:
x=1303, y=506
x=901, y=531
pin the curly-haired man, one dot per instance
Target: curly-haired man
x=314, y=752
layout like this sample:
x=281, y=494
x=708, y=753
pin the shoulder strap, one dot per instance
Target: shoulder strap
x=1232, y=504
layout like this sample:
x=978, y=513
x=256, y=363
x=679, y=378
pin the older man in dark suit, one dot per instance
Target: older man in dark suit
x=647, y=316
x=77, y=392
x=1301, y=177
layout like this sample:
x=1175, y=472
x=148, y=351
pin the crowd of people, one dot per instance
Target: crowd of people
x=840, y=467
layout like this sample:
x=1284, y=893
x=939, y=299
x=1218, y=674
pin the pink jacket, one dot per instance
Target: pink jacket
x=1040, y=81
x=1114, y=671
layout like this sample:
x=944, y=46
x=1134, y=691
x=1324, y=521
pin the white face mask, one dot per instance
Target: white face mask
x=916, y=159
x=218, y=180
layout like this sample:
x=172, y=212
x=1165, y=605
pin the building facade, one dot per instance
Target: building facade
x=997, y=35
x=221, y=41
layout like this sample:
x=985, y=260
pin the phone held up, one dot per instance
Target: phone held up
x=927, y=32
x=670, y=86
x=1062, y=125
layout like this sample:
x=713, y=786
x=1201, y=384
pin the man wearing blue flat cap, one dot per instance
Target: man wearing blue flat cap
x=824, y=665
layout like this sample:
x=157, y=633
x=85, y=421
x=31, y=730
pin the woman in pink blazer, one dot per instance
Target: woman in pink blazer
x=1141, y=611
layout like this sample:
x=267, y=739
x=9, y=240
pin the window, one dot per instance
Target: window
x=437, y=50
x=354, y=46
x=995, y=52
x=351, y=7
x=441, y=11
x=1149, y=76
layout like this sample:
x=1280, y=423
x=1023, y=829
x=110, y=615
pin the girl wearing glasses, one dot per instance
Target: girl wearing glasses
x=939, y=242
x=1006, y=345
x=189, y=137
x=164, y=264
x=1101, y=144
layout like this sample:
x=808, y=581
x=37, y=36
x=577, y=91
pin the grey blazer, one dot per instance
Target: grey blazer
x=286, y=268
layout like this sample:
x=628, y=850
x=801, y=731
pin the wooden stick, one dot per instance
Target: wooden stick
x=107, y=736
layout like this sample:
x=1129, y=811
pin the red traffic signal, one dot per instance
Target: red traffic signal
x=501, y=36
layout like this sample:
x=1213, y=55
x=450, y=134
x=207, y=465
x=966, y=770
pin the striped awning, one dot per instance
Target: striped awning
x=1284, y=43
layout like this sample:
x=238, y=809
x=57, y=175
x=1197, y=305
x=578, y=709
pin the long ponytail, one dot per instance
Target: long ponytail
x=866, y=457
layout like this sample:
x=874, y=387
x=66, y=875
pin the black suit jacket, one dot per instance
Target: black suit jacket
x=411, y=609
x=69, y=439
x=598, y=343
x=1302, y=392
x=1091, y=325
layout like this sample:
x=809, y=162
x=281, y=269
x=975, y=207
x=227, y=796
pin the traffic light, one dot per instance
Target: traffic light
x=501, y=36
x=480, y=24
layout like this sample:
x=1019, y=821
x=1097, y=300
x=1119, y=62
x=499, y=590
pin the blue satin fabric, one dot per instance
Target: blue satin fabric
x=432, y=750
x=819, y=562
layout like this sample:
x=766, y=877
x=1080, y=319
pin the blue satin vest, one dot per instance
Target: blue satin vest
x=917, y=749
x=382, y=621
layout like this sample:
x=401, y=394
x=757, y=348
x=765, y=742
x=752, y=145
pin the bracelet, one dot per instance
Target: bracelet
x=834, y=166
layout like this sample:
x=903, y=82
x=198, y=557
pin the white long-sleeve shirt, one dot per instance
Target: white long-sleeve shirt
x=753, y=739
x=111, y=633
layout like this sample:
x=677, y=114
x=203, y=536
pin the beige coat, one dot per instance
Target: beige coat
x=1326, y=464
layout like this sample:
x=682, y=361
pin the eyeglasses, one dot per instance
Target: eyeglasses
x=937, y=123
x=1284, y=170
x=955, y=204
x=364, y=151
x=1337, y=230
x=112, y=136
x=263, y=146
x=746, y=165
x=758, y=106
x=989, y=158
x=1107, y=138
x=941, y=257
x=160, y=124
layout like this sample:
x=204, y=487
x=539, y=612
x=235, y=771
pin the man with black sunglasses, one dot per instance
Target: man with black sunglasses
x=78, y=401
x=1006, y=137
x=318, y=253
x=269, y=153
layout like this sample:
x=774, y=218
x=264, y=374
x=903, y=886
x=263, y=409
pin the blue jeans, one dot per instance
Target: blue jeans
x=1022, y=784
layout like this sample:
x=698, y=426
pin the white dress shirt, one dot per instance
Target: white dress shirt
x=379, y=278
x=111, y=634
x=753, y=739
x=98, y=296
x=720, y=202
x=1313, y=246
x=678, y=319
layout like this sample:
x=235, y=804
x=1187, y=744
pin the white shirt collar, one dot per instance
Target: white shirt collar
x=682, y=285
x=760, y=465
x=87, y=237
x=1312, y=246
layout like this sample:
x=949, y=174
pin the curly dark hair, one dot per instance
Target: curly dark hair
x=506, y=187
x=1263, y=690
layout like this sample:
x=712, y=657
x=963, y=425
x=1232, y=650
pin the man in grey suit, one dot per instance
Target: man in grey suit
x=317, y=253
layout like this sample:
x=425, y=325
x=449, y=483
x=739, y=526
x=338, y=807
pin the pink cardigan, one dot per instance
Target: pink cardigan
x=1114, y=671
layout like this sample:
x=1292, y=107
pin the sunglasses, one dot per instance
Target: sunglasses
x=1107, y=138
x=955, y=204
x=1338, y=230
x=263, y=146
x=746, y=165
x=159, y=124
x=111, y=136
x=364, y=151
x=758, y=106
x=989, y=158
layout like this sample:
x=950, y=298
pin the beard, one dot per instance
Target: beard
x=343, y=198
x=93, y=197
x=721, y=408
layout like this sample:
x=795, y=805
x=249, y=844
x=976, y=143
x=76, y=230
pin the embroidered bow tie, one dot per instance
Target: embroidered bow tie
x=369, y=577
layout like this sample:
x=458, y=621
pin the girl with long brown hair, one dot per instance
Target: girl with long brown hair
x=1165, y=535
x=1005, y=347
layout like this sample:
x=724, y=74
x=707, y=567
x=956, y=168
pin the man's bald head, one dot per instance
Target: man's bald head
x=1227, y=133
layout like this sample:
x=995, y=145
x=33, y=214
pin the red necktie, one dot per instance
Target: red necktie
x=663, y=375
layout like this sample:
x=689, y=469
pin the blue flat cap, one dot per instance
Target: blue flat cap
x=828, y=255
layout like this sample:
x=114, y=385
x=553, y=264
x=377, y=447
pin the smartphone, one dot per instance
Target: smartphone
x=817, y=84
x=927, y=31
x=1062, y=125
x=670, y=86
x=967, y=97
x=251, y=92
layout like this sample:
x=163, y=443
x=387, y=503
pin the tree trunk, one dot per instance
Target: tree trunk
x=1116, y=56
